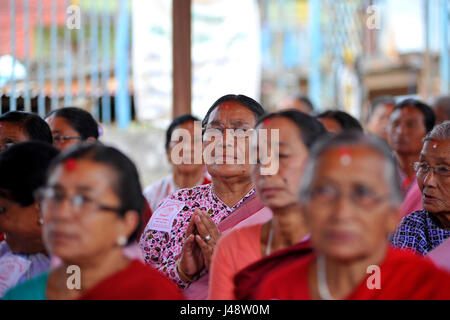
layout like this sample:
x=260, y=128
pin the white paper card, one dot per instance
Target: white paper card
x=162, y=218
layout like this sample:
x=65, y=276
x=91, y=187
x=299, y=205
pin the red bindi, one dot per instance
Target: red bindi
x=343, y=151
x=267, y=121
x=70, y=164
x=344, y=156
x=435, y=144
x=227, y=107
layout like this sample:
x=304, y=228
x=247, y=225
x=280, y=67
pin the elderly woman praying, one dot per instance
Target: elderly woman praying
x=180, y=237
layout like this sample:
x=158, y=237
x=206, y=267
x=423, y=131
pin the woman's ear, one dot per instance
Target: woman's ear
x=130, y=222
x=37, y=208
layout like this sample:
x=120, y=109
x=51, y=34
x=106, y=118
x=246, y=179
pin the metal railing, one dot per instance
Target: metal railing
x=67, y=53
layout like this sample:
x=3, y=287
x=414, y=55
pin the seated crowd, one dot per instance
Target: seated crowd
x=284, y=205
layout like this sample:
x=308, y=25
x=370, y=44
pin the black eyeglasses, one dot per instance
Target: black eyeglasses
x=53, y=198
x=422, y=168
x=360, y=196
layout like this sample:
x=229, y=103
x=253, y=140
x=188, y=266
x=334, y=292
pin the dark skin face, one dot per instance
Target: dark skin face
x=230, y=114
x=435, y=187
x=21, y=225
x=60, y=127
x=280, y=190
x=79, y=237
x=406, y=131
x=11, y=133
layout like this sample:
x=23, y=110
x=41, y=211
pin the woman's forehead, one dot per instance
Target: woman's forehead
x=56, y=121
x=407, y=113
x=231, y=111
x=440, y=150
x=82, y=172
x=361, y=161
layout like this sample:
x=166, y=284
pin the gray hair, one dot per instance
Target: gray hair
x=440, y=132
x=350, y=139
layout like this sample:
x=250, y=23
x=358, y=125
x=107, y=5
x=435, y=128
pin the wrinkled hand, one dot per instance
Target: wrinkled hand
x=191, y=259
x=206, y=226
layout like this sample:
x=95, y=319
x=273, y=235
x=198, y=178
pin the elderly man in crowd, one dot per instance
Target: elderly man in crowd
x=351, y=199
x=426, y=229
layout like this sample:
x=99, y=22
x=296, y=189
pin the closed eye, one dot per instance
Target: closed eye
x=363, y=191
x=443, y=170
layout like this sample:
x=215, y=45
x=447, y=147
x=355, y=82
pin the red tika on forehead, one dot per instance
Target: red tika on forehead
x=344, y=151
x=435, y=144
x=267, y=121
x=227, y=107
x=70, y=164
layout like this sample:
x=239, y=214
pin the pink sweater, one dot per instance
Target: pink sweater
x=235, y=250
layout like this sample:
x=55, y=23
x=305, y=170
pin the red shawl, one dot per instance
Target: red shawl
x=135, y=282
x=248, y=280
x=404, y=275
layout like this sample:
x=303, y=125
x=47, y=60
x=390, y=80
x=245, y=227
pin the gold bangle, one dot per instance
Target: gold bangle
x=183, y=275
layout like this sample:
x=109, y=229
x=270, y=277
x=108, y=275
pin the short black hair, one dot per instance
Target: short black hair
x=248, y=102
x=126, y=185
x=346, y=121
x=428, y=113
x=178, y=121
x=378, y=101
x=23, y=169
x=80, y=120
x=310, y=128
x=306, y=101
x=34, y=126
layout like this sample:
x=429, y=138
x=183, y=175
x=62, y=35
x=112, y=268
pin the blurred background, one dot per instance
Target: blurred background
x=127, y=61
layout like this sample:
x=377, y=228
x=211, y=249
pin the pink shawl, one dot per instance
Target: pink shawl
x=441, y=255
x=413, y=199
